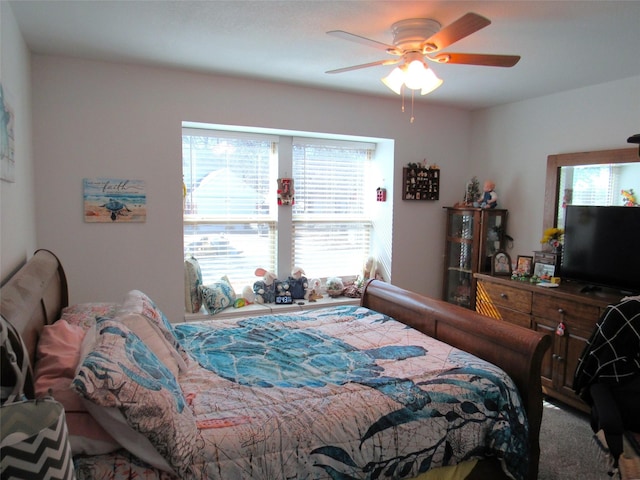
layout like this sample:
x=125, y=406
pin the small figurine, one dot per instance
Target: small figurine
x=471, y=193
x=285, y=191
x=629, y=198
x=489, y=198
x=313, y=292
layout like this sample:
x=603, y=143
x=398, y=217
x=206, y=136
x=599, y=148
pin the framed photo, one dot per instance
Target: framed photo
x=524, y=264
x=544, y=270
x=501, y=263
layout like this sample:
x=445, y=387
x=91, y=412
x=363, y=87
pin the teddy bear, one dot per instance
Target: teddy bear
x=298, y=283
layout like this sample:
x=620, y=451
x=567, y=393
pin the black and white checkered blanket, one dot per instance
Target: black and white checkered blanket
x=612, y=354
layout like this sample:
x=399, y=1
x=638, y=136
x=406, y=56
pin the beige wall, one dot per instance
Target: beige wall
x=17, y=204
x=94, y=119
x=511, y=144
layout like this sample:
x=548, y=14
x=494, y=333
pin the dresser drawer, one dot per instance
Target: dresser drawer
x=504, y=296
x=577, y=315
x=501, y=313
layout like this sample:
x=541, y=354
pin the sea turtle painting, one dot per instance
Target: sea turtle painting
x=116, y=208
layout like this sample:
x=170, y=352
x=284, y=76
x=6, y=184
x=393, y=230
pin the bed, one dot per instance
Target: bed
x=401, y=386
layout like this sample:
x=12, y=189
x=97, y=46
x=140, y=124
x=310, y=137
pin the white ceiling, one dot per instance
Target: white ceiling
x=564, y=44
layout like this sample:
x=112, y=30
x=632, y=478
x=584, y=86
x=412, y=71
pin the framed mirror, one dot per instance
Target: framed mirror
x=593, y=178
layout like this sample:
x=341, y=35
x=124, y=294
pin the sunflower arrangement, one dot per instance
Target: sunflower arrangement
x=552, y=236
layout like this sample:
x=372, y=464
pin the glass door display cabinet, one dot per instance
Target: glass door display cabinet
x=473, y=235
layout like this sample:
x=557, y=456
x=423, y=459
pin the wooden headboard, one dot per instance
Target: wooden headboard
x=34, y=297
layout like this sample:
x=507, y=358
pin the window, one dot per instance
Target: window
x=331, y=223
x=232, y=223
x=229, y=213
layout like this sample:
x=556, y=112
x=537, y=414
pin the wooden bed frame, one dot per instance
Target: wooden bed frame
x=35, y=295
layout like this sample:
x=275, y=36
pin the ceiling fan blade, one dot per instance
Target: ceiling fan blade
x=362, y=40
x=365, y=65
x=463, y=27
x=486, y=60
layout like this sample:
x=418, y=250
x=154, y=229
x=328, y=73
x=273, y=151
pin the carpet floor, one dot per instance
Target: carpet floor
x=567, y=448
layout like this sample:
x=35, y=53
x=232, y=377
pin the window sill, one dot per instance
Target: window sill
x=256, y=309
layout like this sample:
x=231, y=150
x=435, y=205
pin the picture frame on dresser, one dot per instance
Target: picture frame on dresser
x=501, y=263
x=524, y=264
x=544, y=269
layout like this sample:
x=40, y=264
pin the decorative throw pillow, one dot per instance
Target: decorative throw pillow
x=218, y=295
x=192, y=283
x=121, y=372
x=57, y=357
x=152, y=337
x=139, y=302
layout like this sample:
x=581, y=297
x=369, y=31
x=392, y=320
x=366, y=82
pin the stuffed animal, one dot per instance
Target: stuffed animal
x=265, y=289
x=314, y=290
x=298, y=283
x=248, y=295
x=370, y=271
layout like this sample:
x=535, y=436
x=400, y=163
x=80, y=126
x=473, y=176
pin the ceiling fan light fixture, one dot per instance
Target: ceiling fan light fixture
x=431, y=83
x=415, y=75
x=395, y=80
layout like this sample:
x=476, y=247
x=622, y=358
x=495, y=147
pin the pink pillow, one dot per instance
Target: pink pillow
x=60, y=342
x=57, y=358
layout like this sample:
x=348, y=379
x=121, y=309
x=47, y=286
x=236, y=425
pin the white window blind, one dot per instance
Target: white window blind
x=229, y=210
x=330, y=222
x=589, y=185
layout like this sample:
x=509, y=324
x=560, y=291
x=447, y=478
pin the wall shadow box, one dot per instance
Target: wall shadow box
x=420, y=183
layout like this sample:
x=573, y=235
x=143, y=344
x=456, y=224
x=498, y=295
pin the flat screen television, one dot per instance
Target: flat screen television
x=602, y=247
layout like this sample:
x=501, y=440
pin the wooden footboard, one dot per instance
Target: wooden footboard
x=517, y=350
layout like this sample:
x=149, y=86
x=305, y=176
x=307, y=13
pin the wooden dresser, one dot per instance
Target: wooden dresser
x=547, y=310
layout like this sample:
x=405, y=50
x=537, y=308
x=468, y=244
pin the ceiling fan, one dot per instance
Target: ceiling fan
x=416, y=39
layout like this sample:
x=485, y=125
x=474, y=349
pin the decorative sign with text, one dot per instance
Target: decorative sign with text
x=114, y=200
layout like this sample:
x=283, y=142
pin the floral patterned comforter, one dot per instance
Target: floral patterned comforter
x=343, y=393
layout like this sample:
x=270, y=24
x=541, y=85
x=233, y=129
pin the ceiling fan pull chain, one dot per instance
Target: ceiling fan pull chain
x=412, y=95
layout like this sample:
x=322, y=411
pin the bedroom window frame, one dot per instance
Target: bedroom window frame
x=285, y=225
